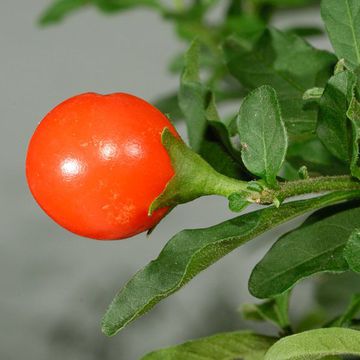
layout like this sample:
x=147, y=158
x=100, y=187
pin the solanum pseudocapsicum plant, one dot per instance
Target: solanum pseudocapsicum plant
x=296, y=133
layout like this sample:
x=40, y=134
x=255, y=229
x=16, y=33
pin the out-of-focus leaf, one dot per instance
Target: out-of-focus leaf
x=353, y=114
x=342, y=22
x=349, y=314
x=333, y=292
x=306, y=31
x=120, y=5
x=227, y=346
x=333, y=126
x=316, y=246
x=262, y=134
x=313, y=154
x=352, y=251
x=316, y=344
x=194, y=98
x=198, y=105
x=288, y=64
x=275, y=310
x=59, y=9
x=285, y=3
x=191, y=251
x=169, y=105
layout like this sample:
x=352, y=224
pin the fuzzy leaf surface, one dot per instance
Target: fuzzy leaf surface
x=262, y=134
x=316, y=344
x=226, y=346
x=287, y=63
x=342, y=22
x=191, y=251
x=333, y=125
x=316, y=246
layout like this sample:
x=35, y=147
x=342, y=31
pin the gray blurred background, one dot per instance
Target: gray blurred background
x=56, y=286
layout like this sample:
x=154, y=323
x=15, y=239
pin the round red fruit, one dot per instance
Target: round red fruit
x=96, y=162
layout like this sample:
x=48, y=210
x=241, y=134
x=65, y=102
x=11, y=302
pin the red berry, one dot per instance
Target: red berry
x=96, y=162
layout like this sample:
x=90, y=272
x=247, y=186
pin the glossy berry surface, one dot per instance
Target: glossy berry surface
x=96, y=162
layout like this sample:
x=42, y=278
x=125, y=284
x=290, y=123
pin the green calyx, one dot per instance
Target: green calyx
x=194, y=177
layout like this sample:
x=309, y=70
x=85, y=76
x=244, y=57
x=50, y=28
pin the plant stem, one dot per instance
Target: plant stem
x=307, y=186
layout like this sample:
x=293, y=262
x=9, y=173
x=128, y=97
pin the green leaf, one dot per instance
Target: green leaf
x=225, y=346
x=275, y=310
x=110, y=6
x=316, y=246
x=168, y=104
x=59, y=9
x=285, y=3
x=332, y=291
x=198, y=105
x=316, y=344
x=237, y=202
x=194, y=98
x=262, y=134
x=342, y=22
x=352, y=310
x=313, y=154
x=352, y=251
x=333, y=127
x=191, y=251
x=314, y=93
x=353, y=114
x=287, y=63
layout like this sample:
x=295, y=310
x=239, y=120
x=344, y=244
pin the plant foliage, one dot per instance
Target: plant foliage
x=294, y=129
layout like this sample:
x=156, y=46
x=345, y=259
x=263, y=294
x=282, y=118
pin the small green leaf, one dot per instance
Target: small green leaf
x=316, y=344
x=59, y=9
x=316, y=246
x=314, y=93
x=191, y=251
x=110, y=6
x=332, y=128
x=352, y=251
x=352, y=310
x=238, y=202
x=275, y=310
x=168, y=104
x=225, y=346
x=262, y=134
x=287, y=63
x=342, y=22
x=353, y=114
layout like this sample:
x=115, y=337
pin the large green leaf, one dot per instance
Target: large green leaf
x=333, y=125
x=288, y=64
x=316, y=246
x=227, y=346
x=342, y=21
x=262, y=134
x=316, y=344
x=191, y=251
